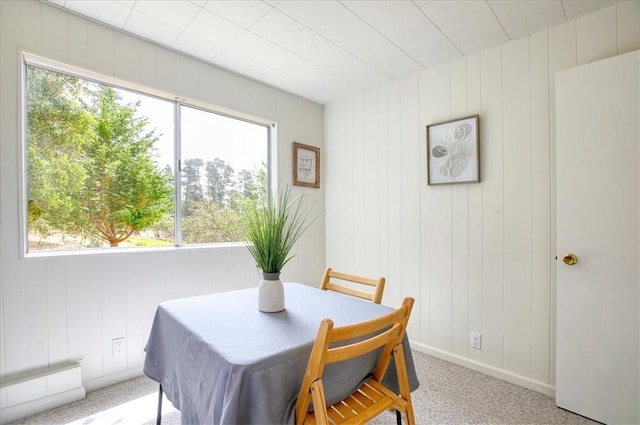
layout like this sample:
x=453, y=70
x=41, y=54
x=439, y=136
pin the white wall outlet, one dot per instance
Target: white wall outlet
x=117, y=346
x=476, y=340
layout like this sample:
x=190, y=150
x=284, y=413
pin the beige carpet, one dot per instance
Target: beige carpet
x=448, y=394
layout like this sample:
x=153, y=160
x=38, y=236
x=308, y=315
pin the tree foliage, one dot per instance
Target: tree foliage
x=92, y=173
x=90, y=163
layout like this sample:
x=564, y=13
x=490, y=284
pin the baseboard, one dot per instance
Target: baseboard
x=40, y=390
x=112, y=379
x=19, y=411
x=493, y=371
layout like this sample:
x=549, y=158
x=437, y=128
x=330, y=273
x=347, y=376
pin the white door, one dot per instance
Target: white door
x=598, y=164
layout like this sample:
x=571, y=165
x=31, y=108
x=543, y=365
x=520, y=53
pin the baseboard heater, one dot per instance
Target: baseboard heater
x=35, y=392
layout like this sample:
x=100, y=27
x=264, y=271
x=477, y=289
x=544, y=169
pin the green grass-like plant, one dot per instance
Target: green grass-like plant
x=273, y=227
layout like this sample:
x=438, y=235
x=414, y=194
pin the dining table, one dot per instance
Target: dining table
x=219, y=360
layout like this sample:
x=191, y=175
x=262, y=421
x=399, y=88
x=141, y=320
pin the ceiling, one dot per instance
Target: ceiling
x=324, y=50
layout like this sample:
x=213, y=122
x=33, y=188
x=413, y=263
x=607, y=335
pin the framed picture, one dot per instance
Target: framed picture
x=453, y=151
x=306, y=165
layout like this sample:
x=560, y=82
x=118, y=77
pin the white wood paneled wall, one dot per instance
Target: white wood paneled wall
x=65, y=308
x=477, y=257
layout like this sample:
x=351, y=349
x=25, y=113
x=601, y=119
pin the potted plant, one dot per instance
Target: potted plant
x=272, y=227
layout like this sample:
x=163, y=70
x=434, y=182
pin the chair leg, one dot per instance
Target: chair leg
x=398, y=417
x=159, y=417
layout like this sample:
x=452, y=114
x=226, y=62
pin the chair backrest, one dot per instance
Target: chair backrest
x=336, y=344
x=357, y=286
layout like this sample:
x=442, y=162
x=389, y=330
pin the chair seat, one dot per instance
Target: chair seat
x=338, y=344
x=367, y=402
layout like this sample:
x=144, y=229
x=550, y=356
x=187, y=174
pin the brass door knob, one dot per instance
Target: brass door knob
x=570, y=259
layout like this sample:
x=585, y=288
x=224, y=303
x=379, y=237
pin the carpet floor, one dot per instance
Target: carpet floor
x=449, y=395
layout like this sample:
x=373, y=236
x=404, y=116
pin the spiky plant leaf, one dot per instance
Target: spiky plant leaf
x=273, y=227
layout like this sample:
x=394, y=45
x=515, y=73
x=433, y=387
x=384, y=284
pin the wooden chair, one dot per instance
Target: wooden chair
x=366, y=288
x=372, y=398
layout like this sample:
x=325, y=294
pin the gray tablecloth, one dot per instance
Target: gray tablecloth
x=221, y=361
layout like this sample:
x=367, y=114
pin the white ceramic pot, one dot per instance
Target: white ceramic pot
x=270, y=293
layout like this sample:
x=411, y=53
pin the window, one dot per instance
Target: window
x=100, y=166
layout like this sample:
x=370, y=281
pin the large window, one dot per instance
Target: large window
x=105, y=166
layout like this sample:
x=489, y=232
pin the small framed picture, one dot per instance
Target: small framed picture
x=453, y=151
x=306, y=165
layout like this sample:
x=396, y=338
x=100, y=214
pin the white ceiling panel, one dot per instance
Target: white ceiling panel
x=213, y=28
x=177, y=13
x=339, y=25
x=110, y=12
x=147, y=27
x=401, y=22
x=243, y=13
x=196, y=46
x=469, y=24
x=254, y=47
x=235, y=62
x=394, y=63
x=525, y=17
x=575, y=8
x=328, y=49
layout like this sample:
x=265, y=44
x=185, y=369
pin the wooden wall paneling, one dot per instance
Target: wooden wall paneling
x=541, y=243
x=84, y=314
x=136, y=295
x=411, y=182
x=113, y=308
x=517, y=205
x=31, y=37
x=35, y=301
x=474, y=106
x=187, y=82
x=628, y=16
x=459, y=226
x=100, y=48
x=425, y=214
x=244, y=270
x=597, y=37
x=440, y=225
x=383, y=187
x=493, y=207
x=57, y=311
x=77, y=29
x=174, y=273
x=13, y=310
x=562, y=55
x=347, y=201
x=12, y=360
x=333, y=180
x=358, y=188
x=169, y=69
x=197, y=271
x=371, y=189
x=149, y=66
x=394, y=158
x=329, y=178
x=56, y=42
x=128, y=57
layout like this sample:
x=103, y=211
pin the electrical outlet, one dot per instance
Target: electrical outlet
x=117, y=346
x=476, y=340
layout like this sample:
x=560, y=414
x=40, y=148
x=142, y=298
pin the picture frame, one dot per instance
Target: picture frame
x=306, y=165
x=453, y=151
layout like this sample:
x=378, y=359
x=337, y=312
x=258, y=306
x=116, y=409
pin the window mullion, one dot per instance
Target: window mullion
x=177, y=139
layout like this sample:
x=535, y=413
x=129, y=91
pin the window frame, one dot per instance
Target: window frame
x=178, y=101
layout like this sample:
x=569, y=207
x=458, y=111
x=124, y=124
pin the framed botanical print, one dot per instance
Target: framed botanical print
x=453, y=151
x=306, y=165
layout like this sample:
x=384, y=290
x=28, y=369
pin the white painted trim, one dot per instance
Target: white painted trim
x=493, y=371
x=112, y=379
x=19, y=411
